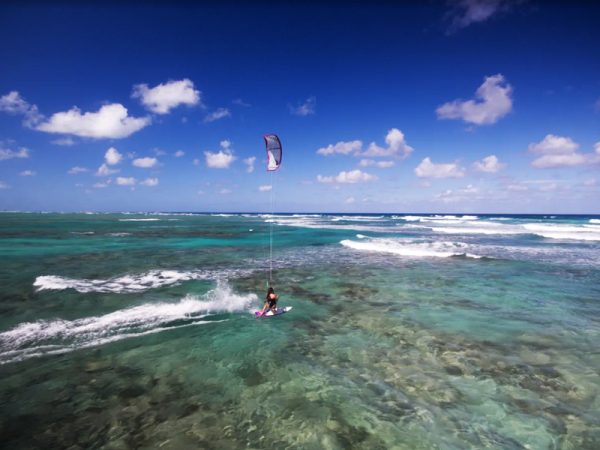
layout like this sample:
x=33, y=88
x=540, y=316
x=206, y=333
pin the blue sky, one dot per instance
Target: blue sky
x=464, y=106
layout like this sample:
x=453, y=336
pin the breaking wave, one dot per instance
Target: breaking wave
x=410, y=248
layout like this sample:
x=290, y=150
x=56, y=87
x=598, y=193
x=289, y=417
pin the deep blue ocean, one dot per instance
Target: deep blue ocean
x=408, y=331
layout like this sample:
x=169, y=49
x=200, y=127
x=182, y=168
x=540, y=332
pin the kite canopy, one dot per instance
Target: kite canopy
x=274, y=151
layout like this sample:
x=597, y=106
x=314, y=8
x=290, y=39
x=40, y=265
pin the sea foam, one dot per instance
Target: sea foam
x=411, y=248
x=134, y=282
x=43, y=337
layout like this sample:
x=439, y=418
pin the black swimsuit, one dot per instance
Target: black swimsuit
x=272, y=302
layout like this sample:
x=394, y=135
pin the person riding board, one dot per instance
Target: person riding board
x=270, y=302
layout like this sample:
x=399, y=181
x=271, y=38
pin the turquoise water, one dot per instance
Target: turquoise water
x=407, y=331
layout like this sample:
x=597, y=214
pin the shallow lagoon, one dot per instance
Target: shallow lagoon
x=145, y=336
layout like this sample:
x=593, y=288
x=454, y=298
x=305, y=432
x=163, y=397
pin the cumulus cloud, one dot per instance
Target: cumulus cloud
x=112, y=156
x=225, y=191
x=305, y=109
x=342, y=148
x=349, y=200
x=145, y=163
x=372, y=162
x=150, y=182
x=489, y=164
x=104, y=171
x=221, y=159
x=250, y=164
x=7, y=153
x=126, y=181
x=13, y=103
x=352, y=176
x=75, y=170
x=220, y=113
x=161, y=99
x=265, y=188
x=493, y=100
x=396, y=146
x=427, y=169
x=27, y=173
x=3, y=185
x=179, y=154
x=109, y=122
x=560, y=151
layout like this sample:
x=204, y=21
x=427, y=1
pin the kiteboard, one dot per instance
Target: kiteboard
x=270, y=313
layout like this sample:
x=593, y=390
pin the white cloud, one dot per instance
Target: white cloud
x=104, y=171
x=126, y=181
x=112, y=156
x=559, y=151
x=111, y=121
x=101, y=185
x=396, y=146
x=352, y=176
x=470, y=189
x=225, y=191
x=27, y=173
x=450, y=196
x=150, y=182
x=372, y=162
x=196, y=162
x=590, y=182
x=67, y=142
x=162, y=98
x=349, y=200
x=250, y=164
x=492, y=101
x=220, y=113
x=75, y=170
x=305, y=109
x=489, y=164
x=467, y=12
x=343, y=148
x=145, y=163
x=179, y=153
x=3, y=185
x=221, y=159
x=566, y=160
x=428, y=169
x=13, y=103
x=265, y=188
x=7, y=153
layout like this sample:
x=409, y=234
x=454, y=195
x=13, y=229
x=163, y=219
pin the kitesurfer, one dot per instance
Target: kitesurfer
x=270, y=301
